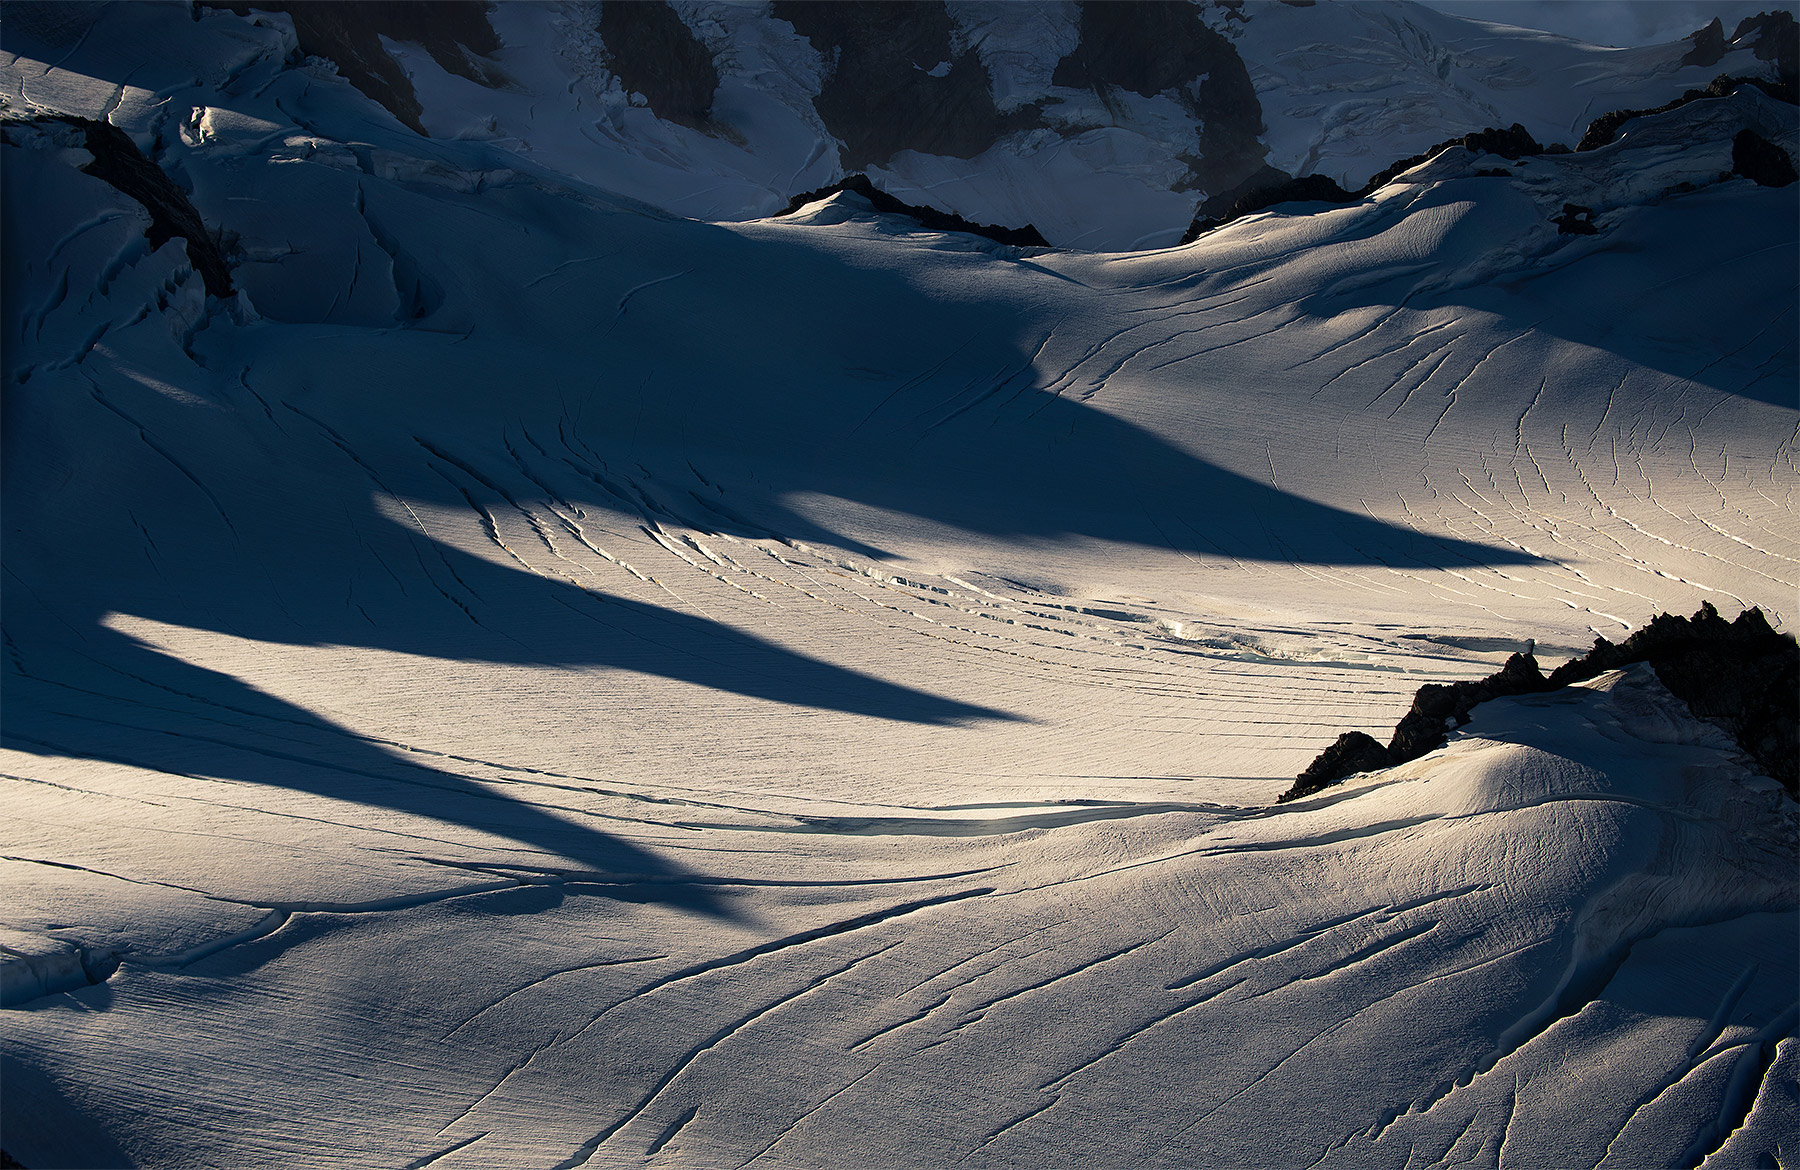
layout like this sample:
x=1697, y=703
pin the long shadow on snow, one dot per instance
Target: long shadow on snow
x=78, y=687
x=952, y=424
x=110, y=696
x=123, y=702
x=772, y=361
x=821, y=376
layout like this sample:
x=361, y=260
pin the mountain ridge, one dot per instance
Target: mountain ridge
x=1082, y=145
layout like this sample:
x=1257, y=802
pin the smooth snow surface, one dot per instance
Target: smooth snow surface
x=534, y=681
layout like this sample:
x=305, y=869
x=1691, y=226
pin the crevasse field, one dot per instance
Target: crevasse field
x=533, y=681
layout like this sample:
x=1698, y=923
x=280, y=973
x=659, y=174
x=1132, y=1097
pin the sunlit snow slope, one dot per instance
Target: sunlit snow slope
x=531, y=681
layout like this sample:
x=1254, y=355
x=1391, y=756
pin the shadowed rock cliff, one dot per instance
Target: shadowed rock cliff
x=1741, y=675
x=896, y=82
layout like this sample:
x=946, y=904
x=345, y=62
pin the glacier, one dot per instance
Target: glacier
x=538, y=673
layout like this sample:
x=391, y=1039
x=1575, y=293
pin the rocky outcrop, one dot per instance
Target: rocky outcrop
x=1436, y=707
x=1575, y=220
x=1774, y=37
x=1275, y=187
x=455, y=32
x=1741, y=675
x=896, y=83
x=1354, y=751
x=1512, y=143
x=119, y=163
x=929, y=217
x=1605, y=128
x=1761, y=161
x=656, y=55
x=1155, y=47
x=1709, y=45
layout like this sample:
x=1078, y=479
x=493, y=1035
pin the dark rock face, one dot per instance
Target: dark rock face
x=656, y=55
x=1352, y=753
x=1605, y=128
x=1513, y=143
x=1761, y=161
x=889, y=89
x=1741, y=675
x=1151, y=47
x=1709, y=45
x=1575, y=220
x=1274, y=187
x=1425, y=728
x=1773, y=36
x=1145, y=46
x=119, y=163
x=930, y=217
x=455, y=32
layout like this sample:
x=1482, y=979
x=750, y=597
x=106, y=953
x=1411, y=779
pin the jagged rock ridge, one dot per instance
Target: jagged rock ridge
x=1606, y=127
x=929, y=217
x=1742, y=675
x=1753, y=157
x=1512, y=143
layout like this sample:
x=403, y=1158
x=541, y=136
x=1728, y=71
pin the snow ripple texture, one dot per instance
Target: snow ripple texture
x=537, y=682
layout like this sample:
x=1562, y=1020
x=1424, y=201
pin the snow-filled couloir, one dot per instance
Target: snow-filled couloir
x=519, y=678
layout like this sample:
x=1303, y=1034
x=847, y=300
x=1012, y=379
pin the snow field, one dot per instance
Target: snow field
x=538, y=682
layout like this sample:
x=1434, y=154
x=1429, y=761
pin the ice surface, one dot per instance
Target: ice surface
x=537, y=681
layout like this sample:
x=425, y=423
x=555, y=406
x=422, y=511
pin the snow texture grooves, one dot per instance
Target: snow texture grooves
x=1749, y=1076
x=663, y=536
x=428, y=1159
x=588, y=1149
x=774, y=946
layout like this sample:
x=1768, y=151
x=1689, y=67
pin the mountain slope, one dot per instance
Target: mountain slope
x=1106, y=126
x=531, y=680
